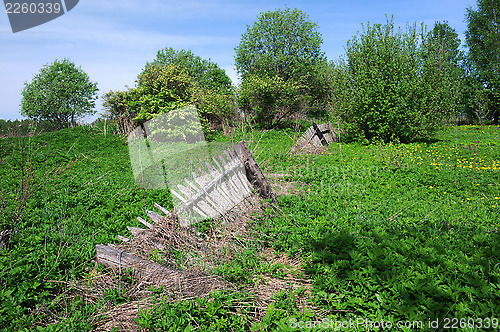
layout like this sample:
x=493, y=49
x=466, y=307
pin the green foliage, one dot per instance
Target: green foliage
x=25, y=127
x=394, y=84
x=218, y=108
x=215, y=313
x=115, y=104
x=281, y=43
x=282, y=51
x=398, y=231
x=270, y=100
x=483, y=40
x=161, y=89
x=446, y=39
x=60, y=92
x=175, y=80
x=81, y=193
x=205, y=72
x=393, y=232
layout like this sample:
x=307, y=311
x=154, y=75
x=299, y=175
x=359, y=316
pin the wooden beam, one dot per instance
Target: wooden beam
x=320, y=134
x=155, y=217
x=162, y=209
x=254, y=173
x=117, y=259
x=135, y=230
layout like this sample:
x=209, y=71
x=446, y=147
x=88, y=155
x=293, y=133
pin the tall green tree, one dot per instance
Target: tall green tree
x=282, y=49
x=61, y=93
x=483, y=40
x=446, y=38
x=443, y=71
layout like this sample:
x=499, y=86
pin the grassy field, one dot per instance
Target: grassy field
x=399, y=232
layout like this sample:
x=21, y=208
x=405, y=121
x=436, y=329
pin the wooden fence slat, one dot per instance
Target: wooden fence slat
x=122, y=238
x=316, y=135
x=192, y=185
x=162, y=209
x=183, y=200
x=188, y=193
x=155, y=217
x=135, y=230
x=144, y=222
x=253, y=172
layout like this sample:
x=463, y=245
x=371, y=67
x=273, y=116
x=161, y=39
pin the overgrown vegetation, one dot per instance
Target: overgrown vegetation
x=280, y=61
x=395, y=85
x=61, y=93
x=173, y=80
x=399, y=232
x=399, y=221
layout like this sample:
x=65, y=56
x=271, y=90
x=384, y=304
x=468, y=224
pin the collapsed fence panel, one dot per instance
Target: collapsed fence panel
x=206, y=181
x=316, y=136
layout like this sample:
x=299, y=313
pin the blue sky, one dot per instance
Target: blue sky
x=113, y=40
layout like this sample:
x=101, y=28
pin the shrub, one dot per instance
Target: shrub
x=270, y=99
x=394, y=85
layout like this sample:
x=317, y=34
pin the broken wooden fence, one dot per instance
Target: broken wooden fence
x=220, y=185
x=215, y=189
x=316, y=136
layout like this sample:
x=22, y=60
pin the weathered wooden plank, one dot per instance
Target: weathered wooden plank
x=182, y=199
x=253, y=172
x=192, y=185
x=319, y=134
x=219, y=167
x=316, y=135
x=122, y=238
x=208, y=187
x=144, y=222
x=117, y=259
x=212, y=170
x=162, y=209
x=135, y=230
x=188, y=193
x=155, y=217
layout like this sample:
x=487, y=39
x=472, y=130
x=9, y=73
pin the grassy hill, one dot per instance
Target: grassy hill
x=393, y=232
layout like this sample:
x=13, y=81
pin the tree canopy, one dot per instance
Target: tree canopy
x=280, y=62
x=483, y=40
x=174, y=80
x=61, y=93
x=205, y=72
x=281, y=43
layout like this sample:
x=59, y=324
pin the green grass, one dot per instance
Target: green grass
x=393, y=232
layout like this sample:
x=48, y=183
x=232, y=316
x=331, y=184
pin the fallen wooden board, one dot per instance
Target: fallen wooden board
x=214, y=189
x=120, y=260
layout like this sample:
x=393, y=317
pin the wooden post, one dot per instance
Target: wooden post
x=320, y=134
x=254, y=173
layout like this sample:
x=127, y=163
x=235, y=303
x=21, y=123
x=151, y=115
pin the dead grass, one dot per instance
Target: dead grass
x=195, y=256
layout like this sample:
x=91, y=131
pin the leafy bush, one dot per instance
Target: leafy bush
x=270, y=99
x=394, y=85
x=483, y=40
x=205, y=72
x=216, y=313
x=163, y=88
